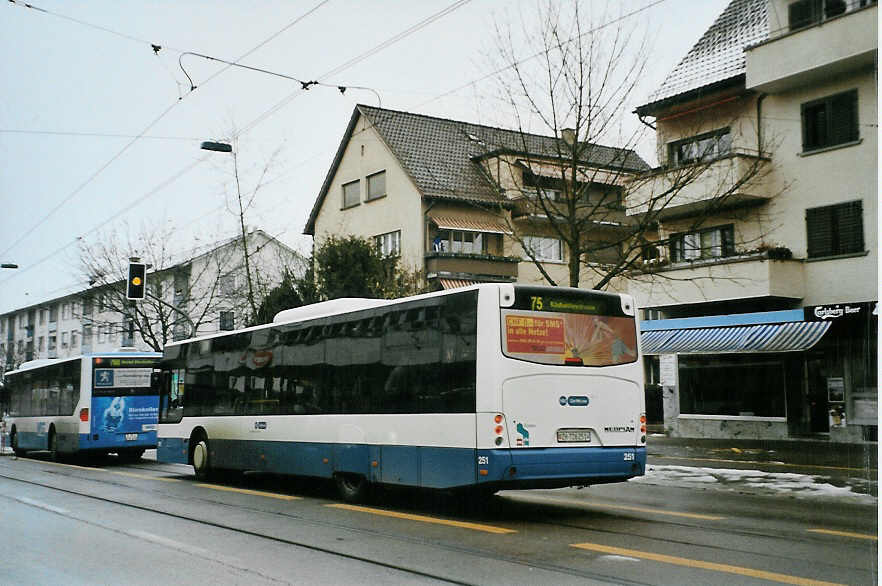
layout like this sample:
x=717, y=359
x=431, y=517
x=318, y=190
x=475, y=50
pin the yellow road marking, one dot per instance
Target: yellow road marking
x=782, y=464
x=669, y=559
x=133, y=475
x=844, y=534
x=424, y=519
x=63, y=465
x=593, y=504
x=272, y=495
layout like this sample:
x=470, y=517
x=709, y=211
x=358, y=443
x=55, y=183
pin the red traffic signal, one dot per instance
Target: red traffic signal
x=136, y=283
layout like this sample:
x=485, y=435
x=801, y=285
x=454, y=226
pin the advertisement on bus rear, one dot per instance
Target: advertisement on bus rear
x=118, y=420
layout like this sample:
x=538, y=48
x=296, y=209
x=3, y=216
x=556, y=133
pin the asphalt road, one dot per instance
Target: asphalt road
x=153, y=523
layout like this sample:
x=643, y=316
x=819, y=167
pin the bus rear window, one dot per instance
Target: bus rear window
x=568, y=327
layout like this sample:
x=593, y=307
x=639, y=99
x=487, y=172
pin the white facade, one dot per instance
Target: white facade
x=210, y=288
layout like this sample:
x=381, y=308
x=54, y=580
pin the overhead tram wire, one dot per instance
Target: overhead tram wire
x=357, y=59
x=155, y=121
x=414, y=28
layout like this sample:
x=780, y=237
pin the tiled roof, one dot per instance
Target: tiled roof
x=719, y=55
x=439, y=154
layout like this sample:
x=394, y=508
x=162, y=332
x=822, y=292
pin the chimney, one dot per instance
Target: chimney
x=568, y=135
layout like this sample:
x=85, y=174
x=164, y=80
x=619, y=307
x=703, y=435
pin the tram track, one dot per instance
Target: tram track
x=533, y=510
x=470, y=551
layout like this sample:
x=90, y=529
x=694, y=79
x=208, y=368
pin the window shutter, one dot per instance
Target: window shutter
x=843, y=118
x=819, y=228
x=850, y=227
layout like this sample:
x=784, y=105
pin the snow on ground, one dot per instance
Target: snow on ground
x=756, y=482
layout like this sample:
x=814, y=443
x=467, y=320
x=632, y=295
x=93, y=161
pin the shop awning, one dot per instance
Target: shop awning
x=470, y=224
x=787, y=337
x=456, y=283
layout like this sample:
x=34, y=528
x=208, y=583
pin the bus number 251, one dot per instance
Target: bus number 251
x=483, y=460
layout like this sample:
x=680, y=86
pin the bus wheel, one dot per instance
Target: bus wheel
x=201, y=464
x=53, y=445
x=352, y=488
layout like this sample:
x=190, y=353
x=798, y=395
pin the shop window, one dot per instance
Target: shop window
x=715, y=242
x=704, y=147
x=835, y=230
x=830, y=121
x=735, y=385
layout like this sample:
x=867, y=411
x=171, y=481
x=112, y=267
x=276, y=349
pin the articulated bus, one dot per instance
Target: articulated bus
x=88, y=404
x=487, y=387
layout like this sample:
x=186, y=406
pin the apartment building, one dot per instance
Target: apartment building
x=764, y=321
x=451, y=198
x=202, y=294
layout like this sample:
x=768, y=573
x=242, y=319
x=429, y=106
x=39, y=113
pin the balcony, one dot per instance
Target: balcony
x=731, y=181
x=473, y=266
x=745, y=276
x=828, y=46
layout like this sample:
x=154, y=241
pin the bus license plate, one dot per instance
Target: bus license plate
x=573, y=435
x=130, y=437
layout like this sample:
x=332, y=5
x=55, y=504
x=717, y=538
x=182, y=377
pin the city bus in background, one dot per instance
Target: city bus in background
x=488, y=387
x=88, y=404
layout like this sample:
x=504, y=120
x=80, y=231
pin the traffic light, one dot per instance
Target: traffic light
x=137, y=276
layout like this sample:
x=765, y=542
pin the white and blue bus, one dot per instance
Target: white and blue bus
x=92, y=403
x=488, y=387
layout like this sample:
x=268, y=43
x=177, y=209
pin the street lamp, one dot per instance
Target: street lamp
x=221, y=147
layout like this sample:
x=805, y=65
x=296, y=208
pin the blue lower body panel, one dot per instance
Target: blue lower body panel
x=421, y=466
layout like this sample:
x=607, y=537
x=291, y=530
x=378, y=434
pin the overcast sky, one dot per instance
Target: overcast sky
x=81, y=83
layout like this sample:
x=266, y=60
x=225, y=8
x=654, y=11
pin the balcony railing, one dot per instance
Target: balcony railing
x=824, y=39
x=745, y=275
x=733, y=180
x=477, y=265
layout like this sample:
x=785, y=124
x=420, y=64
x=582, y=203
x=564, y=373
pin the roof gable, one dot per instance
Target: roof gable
x=440, y=155
x=718, y=56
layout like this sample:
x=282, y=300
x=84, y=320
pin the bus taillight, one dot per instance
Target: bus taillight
x=573, y=361
x=499, y=429
x=84, y=414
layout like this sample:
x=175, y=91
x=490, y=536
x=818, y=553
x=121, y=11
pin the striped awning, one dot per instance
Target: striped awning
x=786, y=337
x=456, y=283
x=470, y=224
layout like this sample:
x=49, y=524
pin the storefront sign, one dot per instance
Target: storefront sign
x=668, y=370
x=839, y=311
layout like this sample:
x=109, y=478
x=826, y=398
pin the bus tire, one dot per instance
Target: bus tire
x=13, y=441
x=201, y=460
x=352, y=488
x=53, y=445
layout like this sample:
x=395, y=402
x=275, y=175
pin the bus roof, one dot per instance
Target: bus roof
x=41, y=362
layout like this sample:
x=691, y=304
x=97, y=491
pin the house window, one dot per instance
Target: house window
x=64, y=339
x=713, y=242
x=543, y=248
x=376, y=185
x=43, y=313
x=389, y=244
x=830, y=121
x=461, y=242
x=227, y=320
x=704, y=147
x=41, y=343
x=227, y=284
x=808, y=12
x=834, y=230
x=351, y=193
x=53, y=314
x=74, y=339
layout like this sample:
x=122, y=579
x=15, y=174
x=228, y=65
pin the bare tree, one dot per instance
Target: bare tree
x=184, y=292
x=604, y=204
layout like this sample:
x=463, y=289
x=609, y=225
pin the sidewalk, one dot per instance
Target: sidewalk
x=794, y=452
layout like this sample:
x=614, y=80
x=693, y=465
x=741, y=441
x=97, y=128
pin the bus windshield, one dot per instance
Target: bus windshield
x=568, y=327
